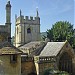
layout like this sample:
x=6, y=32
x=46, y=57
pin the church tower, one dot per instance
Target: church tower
x=27, y=29
x=8, y=18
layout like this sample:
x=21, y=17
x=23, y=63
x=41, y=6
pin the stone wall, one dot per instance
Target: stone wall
x=41, y=67
x=74, y=66
x=70, y=52
x=45, y=66
x=8, y=68
x=44, y=63
x=27, y=67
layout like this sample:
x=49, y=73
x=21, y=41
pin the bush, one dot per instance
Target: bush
x=54, y=72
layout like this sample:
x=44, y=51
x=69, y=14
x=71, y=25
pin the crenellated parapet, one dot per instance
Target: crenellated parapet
x=28, y=20
x=31, y=18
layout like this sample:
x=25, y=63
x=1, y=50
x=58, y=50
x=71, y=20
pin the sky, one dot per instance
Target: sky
x=50, y=11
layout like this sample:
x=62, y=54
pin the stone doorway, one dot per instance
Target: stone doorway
x=65, y=63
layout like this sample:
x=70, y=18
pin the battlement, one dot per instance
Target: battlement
x=28, y=20
x=31, y=18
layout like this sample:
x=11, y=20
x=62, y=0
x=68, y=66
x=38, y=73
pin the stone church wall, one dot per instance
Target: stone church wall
x=8, y=68
x=27, y=67
x=74, y=66
x=45, y=66
x=22, y=24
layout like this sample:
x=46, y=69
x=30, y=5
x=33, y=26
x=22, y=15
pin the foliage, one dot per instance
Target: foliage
x=54, y=72
x=62, y=31
x=43, y=36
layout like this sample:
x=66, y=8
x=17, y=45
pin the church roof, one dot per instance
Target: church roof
x=7, y=48
x=52, y=48
x=34, y=47
x=31, y=44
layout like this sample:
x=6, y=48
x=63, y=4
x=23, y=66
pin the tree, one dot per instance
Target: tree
x=62, y=31
x=50, y=34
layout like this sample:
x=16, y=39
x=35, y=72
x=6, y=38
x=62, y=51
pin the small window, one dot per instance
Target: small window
x=28, y=30
x=13, y=58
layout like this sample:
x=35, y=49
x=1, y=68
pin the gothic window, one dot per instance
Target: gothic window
x=28, y=30
x=13, y=58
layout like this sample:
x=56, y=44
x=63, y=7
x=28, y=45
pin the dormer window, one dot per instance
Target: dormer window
x=28, y=30
x=13, y=58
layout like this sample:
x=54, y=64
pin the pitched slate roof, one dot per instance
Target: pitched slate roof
x=52, y=48
x=29, y=45
x=7, y=48
x=34, y=47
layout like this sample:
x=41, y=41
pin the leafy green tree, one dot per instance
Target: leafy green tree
x=62, y=31
x=43, y=37
x=50, y=34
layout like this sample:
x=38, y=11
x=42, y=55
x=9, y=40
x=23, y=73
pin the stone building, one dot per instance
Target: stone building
x=58, y=55
x=5, y=30
x=26, y=28
x=10, y=59
x=40, y=56
x=10, y=56
x=37, y=56
x=29, y=51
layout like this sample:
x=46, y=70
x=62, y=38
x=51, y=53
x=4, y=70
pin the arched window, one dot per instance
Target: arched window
x=28, y=30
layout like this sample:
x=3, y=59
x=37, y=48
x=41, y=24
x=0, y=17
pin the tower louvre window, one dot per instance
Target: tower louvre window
x=28, y=30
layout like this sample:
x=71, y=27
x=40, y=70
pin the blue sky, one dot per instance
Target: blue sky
x=50, y=11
